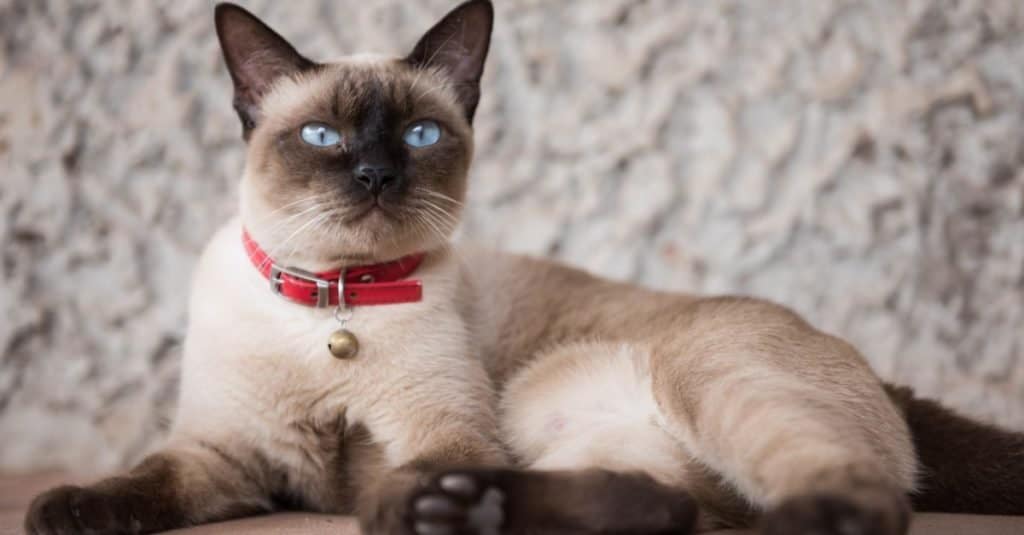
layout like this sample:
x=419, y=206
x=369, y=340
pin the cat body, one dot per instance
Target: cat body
x=737, y=400
x=515, y=395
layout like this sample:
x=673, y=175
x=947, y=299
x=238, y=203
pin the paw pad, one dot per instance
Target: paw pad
x=456, y=504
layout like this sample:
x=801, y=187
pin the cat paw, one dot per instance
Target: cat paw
x=70, y=509
x=828, y=514
x=458, y=503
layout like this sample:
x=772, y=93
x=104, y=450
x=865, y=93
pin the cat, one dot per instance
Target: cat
x=353, y=165
x=515, y=395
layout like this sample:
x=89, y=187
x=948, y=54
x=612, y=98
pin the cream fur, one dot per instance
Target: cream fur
x=590, y=404
x=255, y=365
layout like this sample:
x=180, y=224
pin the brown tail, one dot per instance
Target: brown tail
x=966, y=466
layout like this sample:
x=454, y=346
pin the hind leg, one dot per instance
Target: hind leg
x=793, y=418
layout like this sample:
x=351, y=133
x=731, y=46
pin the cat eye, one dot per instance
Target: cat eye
x=422, y=133
x=320, y=135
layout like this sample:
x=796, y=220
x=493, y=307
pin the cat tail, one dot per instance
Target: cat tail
x=966, y=466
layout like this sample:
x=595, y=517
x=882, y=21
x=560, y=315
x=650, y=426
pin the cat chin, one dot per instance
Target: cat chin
x=384, y=233
x=374, y=239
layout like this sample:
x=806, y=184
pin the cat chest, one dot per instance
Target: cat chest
x=290, y=367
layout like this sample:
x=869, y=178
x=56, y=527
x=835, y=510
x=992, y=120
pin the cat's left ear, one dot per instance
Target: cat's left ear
x=458, y=44
x=256, y=57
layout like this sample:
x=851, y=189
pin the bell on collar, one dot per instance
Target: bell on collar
x=343, y=344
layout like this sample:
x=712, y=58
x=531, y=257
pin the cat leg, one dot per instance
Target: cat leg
x=396, y=500
x=540, y=502
x=793, y=418
x=414, y=437
x=187, y=484
x=582, y=418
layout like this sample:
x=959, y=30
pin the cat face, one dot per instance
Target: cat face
x=359, y=160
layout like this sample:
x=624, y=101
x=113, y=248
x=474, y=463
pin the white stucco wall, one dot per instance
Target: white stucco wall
x=860, y=161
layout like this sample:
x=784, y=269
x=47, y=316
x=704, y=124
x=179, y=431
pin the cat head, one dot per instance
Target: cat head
x=358, y=160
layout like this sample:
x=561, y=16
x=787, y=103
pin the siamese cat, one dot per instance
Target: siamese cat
x=342, y=357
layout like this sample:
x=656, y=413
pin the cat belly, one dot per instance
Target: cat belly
x=590, y=405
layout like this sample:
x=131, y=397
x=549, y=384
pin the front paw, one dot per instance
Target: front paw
x=66, y=510
x=458, y=503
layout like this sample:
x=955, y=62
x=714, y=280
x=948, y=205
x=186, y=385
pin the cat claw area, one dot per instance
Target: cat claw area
x=456, y=504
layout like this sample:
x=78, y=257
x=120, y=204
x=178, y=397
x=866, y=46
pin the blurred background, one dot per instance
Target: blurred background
x=859, y=161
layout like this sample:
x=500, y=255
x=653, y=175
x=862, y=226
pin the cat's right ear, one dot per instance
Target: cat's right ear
x=256, y=56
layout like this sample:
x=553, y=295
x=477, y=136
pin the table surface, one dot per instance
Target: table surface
x=17, y=490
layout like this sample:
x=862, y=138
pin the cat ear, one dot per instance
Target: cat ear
x=458, y=44
x=256, y=56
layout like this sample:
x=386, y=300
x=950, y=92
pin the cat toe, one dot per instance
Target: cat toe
x=439, y=507
x=457, y=504
x=462, y=485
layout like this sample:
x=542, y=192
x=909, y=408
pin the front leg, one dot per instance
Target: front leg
x=191, y=483
x=387, y=502
x=433, y=418
x=534, y=502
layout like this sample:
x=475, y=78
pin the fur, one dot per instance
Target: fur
x=625, y=410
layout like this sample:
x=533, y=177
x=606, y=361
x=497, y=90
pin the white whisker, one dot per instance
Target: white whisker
x=437, y=195
x=277, y=247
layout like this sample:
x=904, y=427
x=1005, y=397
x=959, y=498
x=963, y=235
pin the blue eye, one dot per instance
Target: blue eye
x=320, y=135
x=422, y=133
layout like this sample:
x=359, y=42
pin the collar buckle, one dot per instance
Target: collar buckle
x=323, y=287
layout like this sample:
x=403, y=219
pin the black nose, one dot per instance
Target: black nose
x=375, y=178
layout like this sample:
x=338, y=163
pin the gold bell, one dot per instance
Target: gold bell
x=343, y=344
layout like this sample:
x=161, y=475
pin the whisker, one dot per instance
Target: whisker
x=313, y=222
x=277, y=248
x=437, y=194
x=291, y=218
x=441, y=212
x=438, y=224
x=289, y=205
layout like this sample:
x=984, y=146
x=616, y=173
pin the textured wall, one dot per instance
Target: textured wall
x=859, y=161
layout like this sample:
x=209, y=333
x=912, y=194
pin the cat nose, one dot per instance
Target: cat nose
x=375, y=178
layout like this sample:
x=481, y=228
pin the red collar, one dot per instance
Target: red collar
x=378, y=284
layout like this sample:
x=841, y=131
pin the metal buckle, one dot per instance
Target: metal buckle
x=322, y=286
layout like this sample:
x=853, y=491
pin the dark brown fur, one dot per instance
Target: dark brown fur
x=868, y=511
x=578, y=502
x=966, y=466
x=253, y=72
x=157, y=495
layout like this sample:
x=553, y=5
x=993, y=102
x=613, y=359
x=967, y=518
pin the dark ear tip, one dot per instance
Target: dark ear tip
x=223, y=10
x=478, y=8
x=486, y=5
